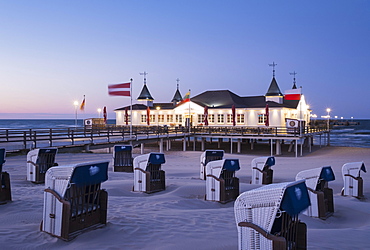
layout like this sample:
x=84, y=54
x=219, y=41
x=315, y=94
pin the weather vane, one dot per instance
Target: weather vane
x=144, y=74
x=177, y=80
x=273, y=68
x=294, y=73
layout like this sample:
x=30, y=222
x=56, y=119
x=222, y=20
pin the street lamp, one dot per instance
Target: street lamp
x=328, y=110
x=99, y=111
x=75, y=103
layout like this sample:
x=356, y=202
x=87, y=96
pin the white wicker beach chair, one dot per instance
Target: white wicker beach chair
x=148, y=176
x=207, y=156
x=122, y=158
x=261, y=170
x=353, y=183
x=73, y=199
x=5, y=190
x=38, y=162
x=321, y=196
x=267, y=217
x=221, y=183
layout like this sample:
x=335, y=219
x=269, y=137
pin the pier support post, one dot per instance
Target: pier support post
x=239, y=146
x=194, y=142
x=278, y=147
x=202, y=144
x=161, y=145
x=142, y=148
x=219, y=143
x=231, y=145
x=184, y=144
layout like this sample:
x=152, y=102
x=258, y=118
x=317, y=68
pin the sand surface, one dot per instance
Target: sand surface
x=179, y=217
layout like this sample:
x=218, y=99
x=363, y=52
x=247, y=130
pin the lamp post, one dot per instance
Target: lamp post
x=75, y=103
x=328, y=110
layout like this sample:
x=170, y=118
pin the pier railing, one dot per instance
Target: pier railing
x=32, y=138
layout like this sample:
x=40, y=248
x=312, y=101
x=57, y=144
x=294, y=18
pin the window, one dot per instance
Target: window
x=261, y=118
x=178, y=118
x=220, y=118
x=240, y=118
x=160, y=118
x=152, y=118
x=211, y=118
x=169, y=118
x=229, y=118
x=143, y=118
x=200, y=118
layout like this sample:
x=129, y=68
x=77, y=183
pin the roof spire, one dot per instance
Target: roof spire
x=177, y=80
x=273, y=68
x=144, y=74
x=294, y=73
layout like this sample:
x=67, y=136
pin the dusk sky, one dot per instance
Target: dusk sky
x=55, y=52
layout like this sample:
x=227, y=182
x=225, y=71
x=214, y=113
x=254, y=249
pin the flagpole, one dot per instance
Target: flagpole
x=131, y=108
x=189, y=112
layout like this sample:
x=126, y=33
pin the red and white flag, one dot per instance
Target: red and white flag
x=293, y=94
x=121, y=89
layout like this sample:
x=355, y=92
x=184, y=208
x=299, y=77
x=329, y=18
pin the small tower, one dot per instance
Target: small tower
x=294, y=86
x=177, y=97
x=145, y=94
x=273, y=93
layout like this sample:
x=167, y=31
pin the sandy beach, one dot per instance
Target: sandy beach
x=179, y=217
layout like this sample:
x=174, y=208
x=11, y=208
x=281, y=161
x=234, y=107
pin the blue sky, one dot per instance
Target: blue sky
x=54, y=52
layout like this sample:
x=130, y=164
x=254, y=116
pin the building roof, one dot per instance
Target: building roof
x=218, y=99
x=145, y=94
x=274, y=89
x=177, y=97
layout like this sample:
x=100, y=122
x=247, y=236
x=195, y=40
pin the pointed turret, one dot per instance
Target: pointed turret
x=273, y=93
x=177, y=97
x=145, y=94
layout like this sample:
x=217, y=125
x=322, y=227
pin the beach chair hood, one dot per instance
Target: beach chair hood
x=215, y=168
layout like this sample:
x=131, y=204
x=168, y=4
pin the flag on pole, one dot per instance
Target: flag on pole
x=293, y=94
x=206, y=115
x=105, y=114
x=267, y=121
x=82, y=106
x=186, y=97
x=148, y=116
x=233, y=114
x=121, y=89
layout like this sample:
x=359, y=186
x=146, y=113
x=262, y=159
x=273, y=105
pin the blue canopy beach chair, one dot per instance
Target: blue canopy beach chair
x=5, y=190
x=148, y=175
x=73, y=199
x=321, y=196
x=122, y=158
x=261, y=170
x=267, y=217
x=221, y=183
x=207, y=156
x=38, y=162
x=353, y=182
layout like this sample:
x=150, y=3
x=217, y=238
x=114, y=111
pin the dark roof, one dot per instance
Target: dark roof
x=144, y=107
x=274, y=89
x=218, y=99
x=145, y=94
x=177, y=97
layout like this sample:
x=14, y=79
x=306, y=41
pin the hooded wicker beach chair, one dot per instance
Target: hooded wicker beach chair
x=148, y=176
x=207, y=156
x=261, y=170
x=38, y=162
x=5, y=191
x=353, y=183
x=122, y=158
x=73, y=199
x=321, y=196
x=221, y=183
x=267, y=217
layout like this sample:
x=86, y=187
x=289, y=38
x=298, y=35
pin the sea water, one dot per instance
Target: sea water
x=349, y=136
